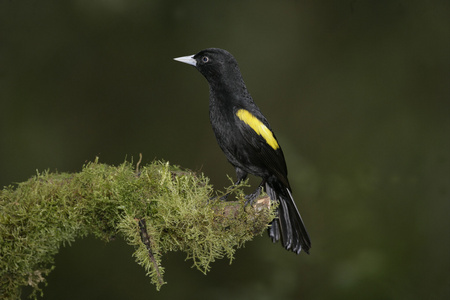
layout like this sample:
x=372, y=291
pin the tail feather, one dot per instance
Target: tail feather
x=289, y=224
x=274, y=231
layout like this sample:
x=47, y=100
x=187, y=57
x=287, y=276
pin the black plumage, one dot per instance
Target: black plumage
x=246, y=138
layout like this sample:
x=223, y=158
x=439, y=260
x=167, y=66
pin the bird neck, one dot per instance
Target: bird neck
x=229, y=86
x=228, y=95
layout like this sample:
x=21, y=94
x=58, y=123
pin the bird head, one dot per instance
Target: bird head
x=217, y=65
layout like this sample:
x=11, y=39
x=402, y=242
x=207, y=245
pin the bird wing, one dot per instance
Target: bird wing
x=264, y=150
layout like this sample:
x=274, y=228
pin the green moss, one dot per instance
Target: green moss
x=54, y=209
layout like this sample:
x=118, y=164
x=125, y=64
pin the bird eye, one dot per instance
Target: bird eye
x=205, y=59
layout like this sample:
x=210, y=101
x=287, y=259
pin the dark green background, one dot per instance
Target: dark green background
x=358, y=93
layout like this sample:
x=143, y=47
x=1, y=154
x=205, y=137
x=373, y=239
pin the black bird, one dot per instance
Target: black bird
x=249, y=144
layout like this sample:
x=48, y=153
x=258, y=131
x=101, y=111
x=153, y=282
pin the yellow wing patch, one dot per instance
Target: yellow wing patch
x=258, y=127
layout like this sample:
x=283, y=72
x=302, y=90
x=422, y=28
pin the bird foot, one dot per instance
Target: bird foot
x=252, y=197
x=223, y=198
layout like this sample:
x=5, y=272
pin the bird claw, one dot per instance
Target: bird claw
x=223, y=198
x=250, y=199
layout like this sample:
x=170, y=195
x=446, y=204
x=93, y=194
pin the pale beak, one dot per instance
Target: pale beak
x=187, y=60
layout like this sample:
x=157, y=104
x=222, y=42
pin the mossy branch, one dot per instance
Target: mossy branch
x=157, y=208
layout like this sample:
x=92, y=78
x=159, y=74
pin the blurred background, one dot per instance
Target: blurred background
x=358, y=95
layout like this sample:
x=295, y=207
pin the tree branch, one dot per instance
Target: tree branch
x=157, y=208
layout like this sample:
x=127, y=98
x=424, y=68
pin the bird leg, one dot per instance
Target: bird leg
x=251, y=198
x=241, y=176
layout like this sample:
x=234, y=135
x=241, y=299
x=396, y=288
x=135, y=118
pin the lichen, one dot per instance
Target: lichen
x=49, y=210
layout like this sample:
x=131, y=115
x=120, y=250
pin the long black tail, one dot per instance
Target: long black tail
x=289, y=224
